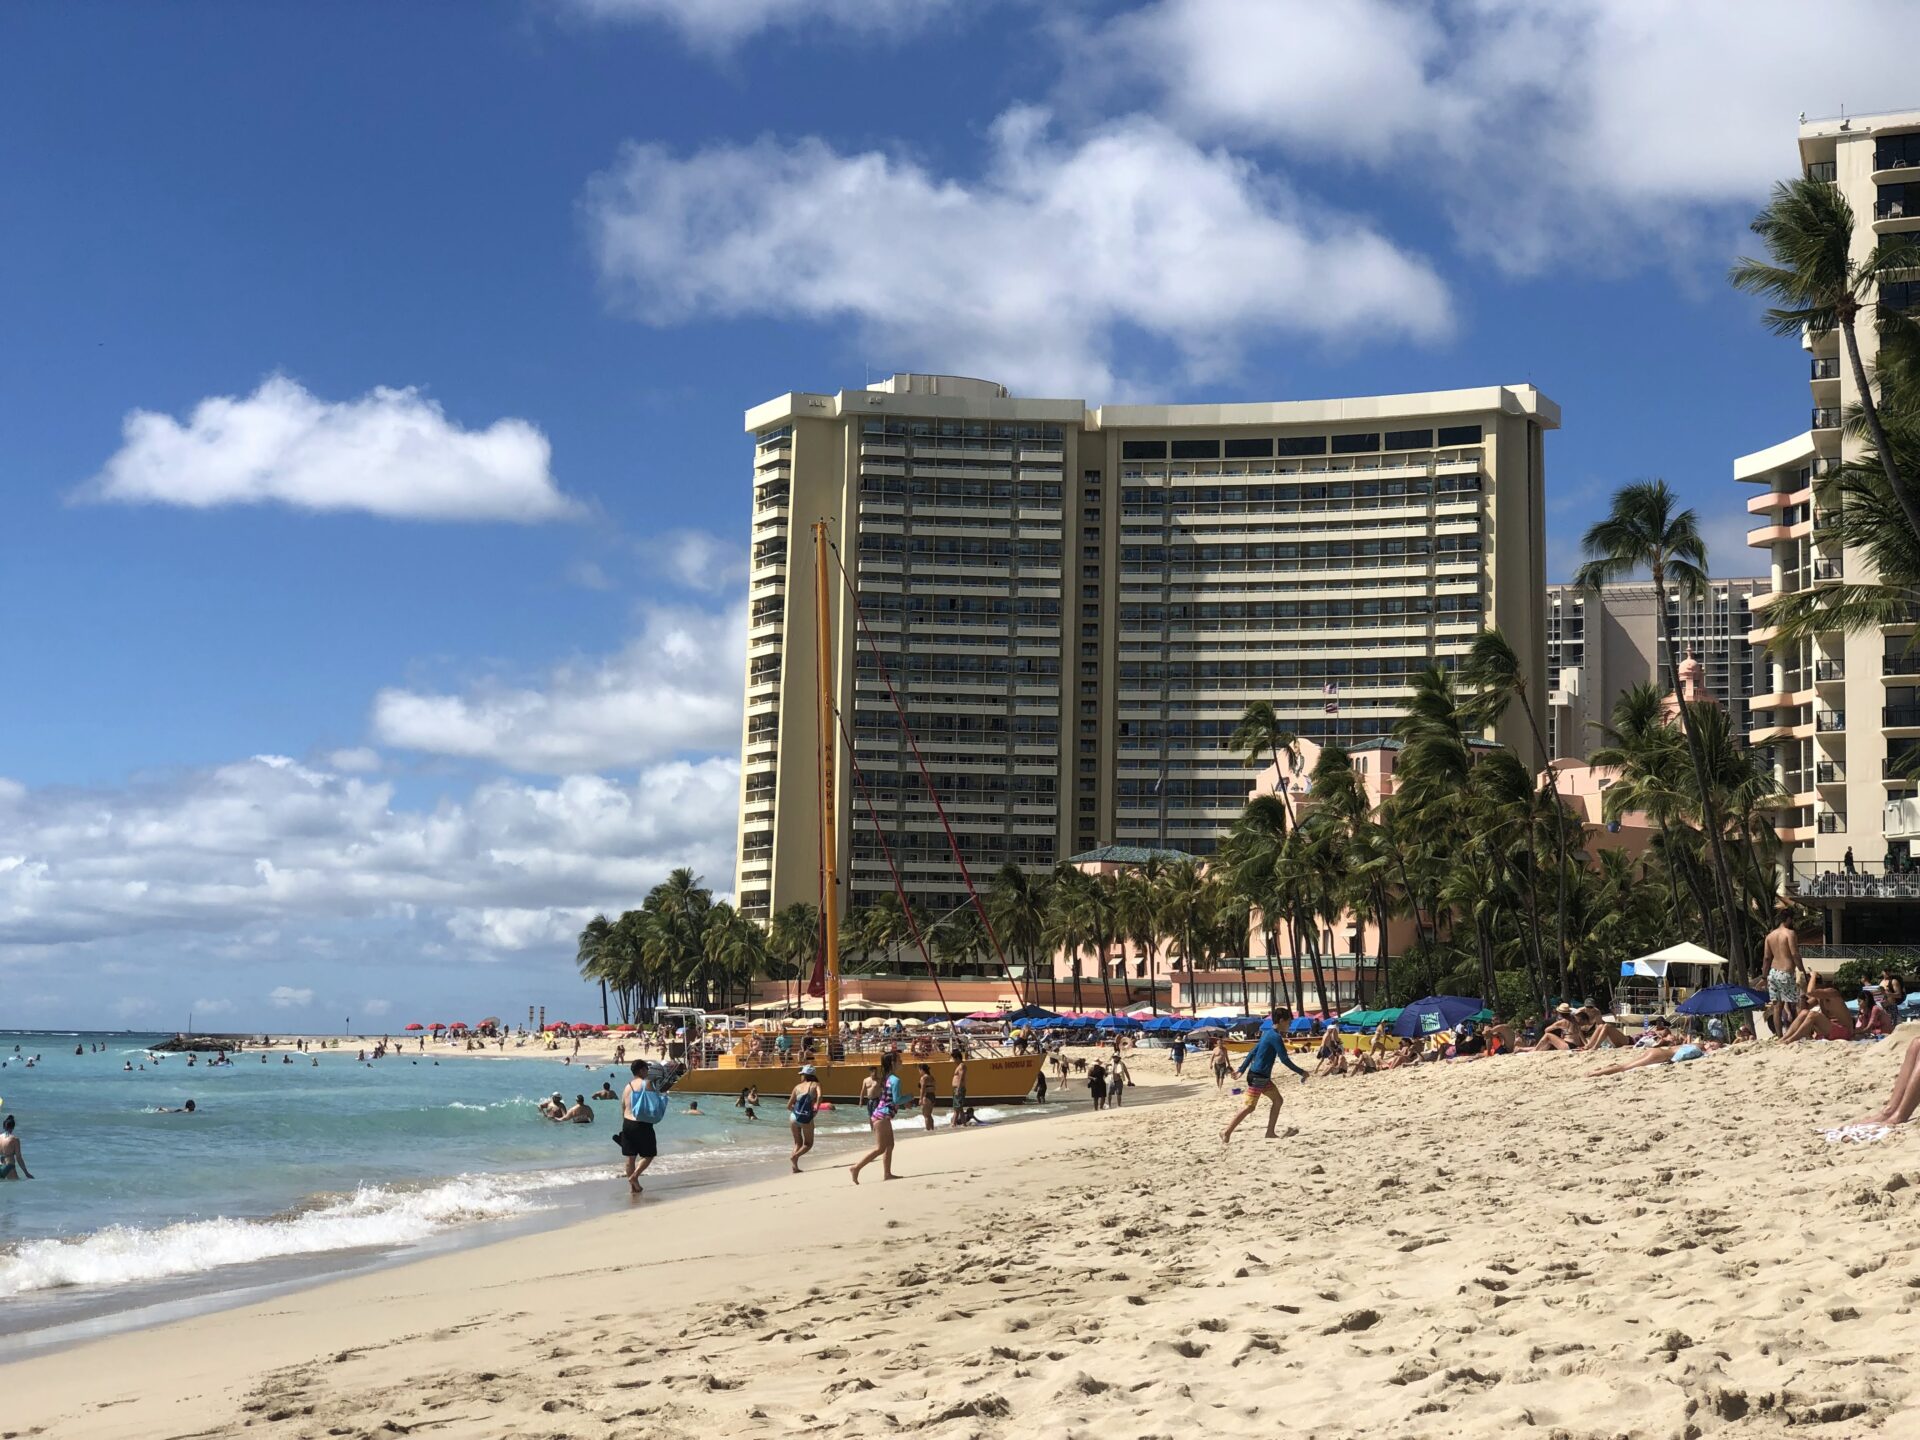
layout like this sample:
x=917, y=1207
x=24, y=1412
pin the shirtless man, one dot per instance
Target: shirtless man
x=959, y=1091
x=1782, y=953
x=13, y=1161
x=1826, y=1017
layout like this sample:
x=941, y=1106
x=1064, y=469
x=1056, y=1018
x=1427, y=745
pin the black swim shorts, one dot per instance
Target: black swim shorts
x=636, y=1140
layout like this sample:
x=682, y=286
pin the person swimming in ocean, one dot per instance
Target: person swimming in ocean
x=187, y=1109
x=13, y=1161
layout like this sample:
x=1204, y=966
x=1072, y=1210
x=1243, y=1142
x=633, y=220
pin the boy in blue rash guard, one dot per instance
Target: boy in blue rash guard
x=1258, y=1068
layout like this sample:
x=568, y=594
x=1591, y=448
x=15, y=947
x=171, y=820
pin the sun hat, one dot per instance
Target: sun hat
x=806, y=1070
x=1563, y=1008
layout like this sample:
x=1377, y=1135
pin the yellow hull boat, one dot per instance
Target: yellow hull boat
x=991, y=1079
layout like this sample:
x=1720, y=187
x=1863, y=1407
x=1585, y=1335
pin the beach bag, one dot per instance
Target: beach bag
x=649, y=1106
x=803, y=1109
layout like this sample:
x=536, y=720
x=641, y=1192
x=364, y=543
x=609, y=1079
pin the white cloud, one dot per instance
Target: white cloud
x=392, y=453
x=675, y=690
x=698, y=560
x=357, y=760
x=203, y=1008
x=1543, y=126
x=715, y=24
x=1029, y=274
x=373, y=1009
x=289, y=997
x=264, y=847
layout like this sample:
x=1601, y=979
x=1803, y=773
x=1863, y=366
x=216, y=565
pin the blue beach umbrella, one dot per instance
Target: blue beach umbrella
x=1434, y=1014
x=1722, y=1000
x=1117, y=1022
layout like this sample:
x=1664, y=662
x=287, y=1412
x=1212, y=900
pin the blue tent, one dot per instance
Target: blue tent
x=1301, y=1026
x=1118, y=1022
x=1722, y=1000
x=1434, y=1014
x=1031, y=1012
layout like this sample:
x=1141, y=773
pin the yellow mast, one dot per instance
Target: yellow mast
x=830, y=891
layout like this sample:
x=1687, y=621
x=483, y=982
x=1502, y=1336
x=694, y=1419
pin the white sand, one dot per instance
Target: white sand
x=1498, y=1248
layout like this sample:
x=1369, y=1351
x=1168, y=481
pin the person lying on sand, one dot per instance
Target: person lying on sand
x=1900, y=1104
x=1661, y=1055
x=1826, y=1016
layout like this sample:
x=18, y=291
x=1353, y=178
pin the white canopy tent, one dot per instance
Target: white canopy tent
x=1656, y=966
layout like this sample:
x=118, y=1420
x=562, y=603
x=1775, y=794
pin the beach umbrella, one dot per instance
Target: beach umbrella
x=493, y=1020
x=1722, y=1000
x=1032, y=1012
x=437, y=1025
x=1434, y=1014
x=1301, y=1026
x=415, y=1025
x=1117, y=1022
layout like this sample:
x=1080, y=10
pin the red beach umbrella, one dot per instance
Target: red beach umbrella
x=437, y=1025
x=415, y=1025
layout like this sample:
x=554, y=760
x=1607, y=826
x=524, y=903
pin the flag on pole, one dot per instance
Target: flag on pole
x=1331, y=688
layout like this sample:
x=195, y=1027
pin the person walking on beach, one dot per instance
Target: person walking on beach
x=1118, y=1078
x=1258, y=1068
x=802, y=1105
x=13, y=1161
x=640, y=1107
x=1221, y=1063
x=1097, y=1085
x=1040, y=1086
x=1179, y=1057
x=885, y=1104
x=1782, y=951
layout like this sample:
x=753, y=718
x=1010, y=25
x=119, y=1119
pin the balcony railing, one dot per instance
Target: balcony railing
x=1826, y=570
x=1899, y=294
x=1900, y=716
x=1827, y=417
x=1829, y=670
x=1827, y=170
x=1907, y=664
x=1895, y=207
x=1830, y=720
x=1897, y=152
x=1826, y=521
x=1828, y=369
x=1898, y=767
x=1825, y=772
x=1831, y=823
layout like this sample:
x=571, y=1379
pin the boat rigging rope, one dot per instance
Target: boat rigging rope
x=906, y=905
x=953, y=843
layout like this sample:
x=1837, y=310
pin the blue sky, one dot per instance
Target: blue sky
x=370, y=409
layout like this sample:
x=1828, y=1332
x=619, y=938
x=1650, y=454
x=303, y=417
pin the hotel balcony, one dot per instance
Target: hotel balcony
x=1900, y=717
x=1830, y=722
x=1900, y=665
x=1826, y=417
x=1896, y=772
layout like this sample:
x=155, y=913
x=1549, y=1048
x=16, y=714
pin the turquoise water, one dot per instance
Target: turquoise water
x=294, y=1162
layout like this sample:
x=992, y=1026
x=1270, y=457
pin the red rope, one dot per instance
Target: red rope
x=953, y=842
x=906, y=905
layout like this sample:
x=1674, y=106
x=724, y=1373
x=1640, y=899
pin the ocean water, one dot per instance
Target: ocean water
x=292, y=1170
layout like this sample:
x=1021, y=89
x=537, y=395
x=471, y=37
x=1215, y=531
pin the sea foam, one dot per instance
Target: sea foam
x=373, y=1216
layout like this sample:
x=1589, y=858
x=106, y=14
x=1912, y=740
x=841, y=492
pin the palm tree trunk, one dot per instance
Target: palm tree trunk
x=1078, y=1007
x=1383, y=978
x=1246, y=996
x=1319, y=971
x=1106, y=984
x=1559, y=828
x=1871, y=411
x=1709, y=812
x=1273, y=958
x=1293, y=943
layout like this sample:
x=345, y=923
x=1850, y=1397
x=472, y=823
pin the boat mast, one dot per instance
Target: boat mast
x=829, y=865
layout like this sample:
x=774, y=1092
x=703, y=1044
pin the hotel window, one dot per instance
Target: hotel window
x=1196, y=450
x=1409, y=439
x=1356, y=444
x=1459, y=435
x=1143, y=450
x=1301, y=445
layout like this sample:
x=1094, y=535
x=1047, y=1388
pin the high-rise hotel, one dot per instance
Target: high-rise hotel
x=1841, y=711
x=1077, y=605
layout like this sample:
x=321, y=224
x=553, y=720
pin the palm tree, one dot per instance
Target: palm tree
x=793, y=938
x=1643, y=531
x=959, y=939
x=1137, y=914
x=593, y=955
x=1493, y=671
x=1262, y=737
x=1072, y=919
x=1646, y=753
x=1182, y=909
x=1818, y=287
x=1017, y=903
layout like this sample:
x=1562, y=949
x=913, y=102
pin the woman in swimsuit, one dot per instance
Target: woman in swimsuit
x=882, y=1096
x=926, y=1096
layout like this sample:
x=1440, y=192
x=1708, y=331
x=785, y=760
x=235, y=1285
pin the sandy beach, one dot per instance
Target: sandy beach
x=1463, y=1250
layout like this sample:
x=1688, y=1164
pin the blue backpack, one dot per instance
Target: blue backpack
x=649, y=1106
